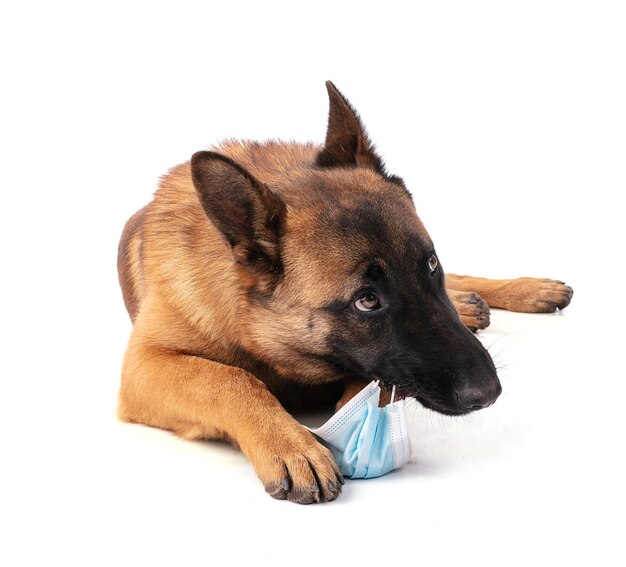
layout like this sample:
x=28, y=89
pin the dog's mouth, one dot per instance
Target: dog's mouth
x=397, y=394
x=439, y=408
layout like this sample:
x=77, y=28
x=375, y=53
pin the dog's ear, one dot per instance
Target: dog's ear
x=347, y=144
x=246, y=211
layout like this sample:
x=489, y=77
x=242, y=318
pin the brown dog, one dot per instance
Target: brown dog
x=270, y=276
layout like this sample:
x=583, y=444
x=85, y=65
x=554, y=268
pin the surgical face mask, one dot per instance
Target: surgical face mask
x=367, y=441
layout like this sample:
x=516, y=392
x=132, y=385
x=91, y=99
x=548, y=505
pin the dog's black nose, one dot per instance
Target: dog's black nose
x=475, y=398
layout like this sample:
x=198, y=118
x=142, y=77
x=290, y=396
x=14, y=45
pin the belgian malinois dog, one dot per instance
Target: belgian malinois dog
x=265, y=277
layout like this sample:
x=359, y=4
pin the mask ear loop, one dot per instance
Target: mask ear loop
x=393, y=394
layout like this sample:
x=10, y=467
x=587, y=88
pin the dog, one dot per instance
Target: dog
x=267, y=277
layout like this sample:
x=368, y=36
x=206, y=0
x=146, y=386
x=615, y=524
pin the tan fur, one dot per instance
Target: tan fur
x=473, y=296
x=472, y=308
x=352, y=386
x=209, y=357
x=184, y=367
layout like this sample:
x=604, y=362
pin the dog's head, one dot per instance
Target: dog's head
x=342, y=277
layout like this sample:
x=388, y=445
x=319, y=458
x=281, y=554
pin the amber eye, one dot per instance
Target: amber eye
x=432, y=264
x=367, y=302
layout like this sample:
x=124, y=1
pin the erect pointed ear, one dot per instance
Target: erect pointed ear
x=248, y=214
x=347, y=144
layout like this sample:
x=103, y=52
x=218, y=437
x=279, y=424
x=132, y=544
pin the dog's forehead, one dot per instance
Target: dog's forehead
x=330, y=242
x=356, y=211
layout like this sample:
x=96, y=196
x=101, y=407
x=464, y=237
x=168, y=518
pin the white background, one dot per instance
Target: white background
x=507, y=121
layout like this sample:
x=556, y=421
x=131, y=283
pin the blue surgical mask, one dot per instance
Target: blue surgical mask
x=367, y=441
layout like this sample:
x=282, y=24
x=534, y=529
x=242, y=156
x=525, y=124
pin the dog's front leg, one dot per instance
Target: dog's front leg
x=472, y=308
x=198, y=398
x=527, y=295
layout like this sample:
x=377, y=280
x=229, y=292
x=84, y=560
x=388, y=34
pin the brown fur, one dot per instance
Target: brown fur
x=473, y=296
x=210, y=356
x=189, y=367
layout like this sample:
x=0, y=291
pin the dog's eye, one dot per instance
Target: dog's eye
x=367, y=302
x=432, y=264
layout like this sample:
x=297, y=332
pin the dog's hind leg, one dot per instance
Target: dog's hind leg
x=129, y=263
x=527, y=295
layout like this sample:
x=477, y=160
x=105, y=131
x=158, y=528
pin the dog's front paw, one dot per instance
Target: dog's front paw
x=298, y=468
x=472, y=308
x=534, y=295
